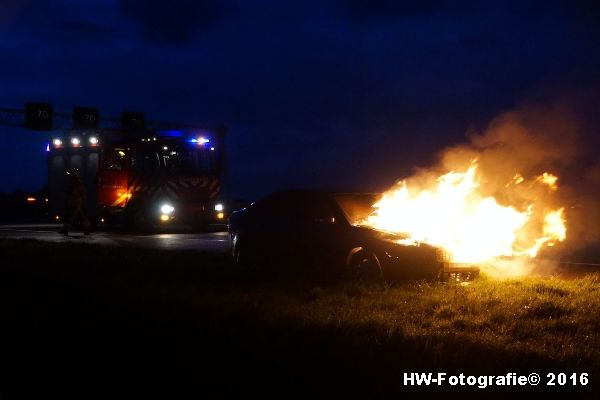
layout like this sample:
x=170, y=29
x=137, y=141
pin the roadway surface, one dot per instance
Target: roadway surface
x=217, y=242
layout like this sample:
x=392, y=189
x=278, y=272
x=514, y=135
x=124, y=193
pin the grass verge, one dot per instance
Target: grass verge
x=81, y=320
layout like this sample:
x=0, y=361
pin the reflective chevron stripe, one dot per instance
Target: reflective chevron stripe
x=175, y=188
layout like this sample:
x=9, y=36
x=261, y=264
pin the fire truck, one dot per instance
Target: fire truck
x=141, y=179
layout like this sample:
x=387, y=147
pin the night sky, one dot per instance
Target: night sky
x=315, y=93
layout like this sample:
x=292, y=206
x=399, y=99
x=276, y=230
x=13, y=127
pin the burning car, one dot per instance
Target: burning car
x=325, y=231
x=477, y=215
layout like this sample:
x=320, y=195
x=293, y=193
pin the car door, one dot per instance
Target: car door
x=266, y=227
x=318, y=229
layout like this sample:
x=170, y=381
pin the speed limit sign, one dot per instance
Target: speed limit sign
x=85, y=117
x=38, y=116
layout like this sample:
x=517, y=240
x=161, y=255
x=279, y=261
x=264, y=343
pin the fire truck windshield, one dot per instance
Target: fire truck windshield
x=181, y=160
x=174, y=158
x=115, y=160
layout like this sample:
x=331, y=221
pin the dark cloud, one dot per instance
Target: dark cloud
x=10, y=9
x=58, y=24
x=310, y=99
x=370, y=11
x=79, y=31
x=533, y=9
x=173, y=21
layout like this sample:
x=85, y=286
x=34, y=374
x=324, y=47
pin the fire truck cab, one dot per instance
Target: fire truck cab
x=144, y=179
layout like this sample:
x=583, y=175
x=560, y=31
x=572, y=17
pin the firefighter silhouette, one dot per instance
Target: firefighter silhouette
x=76, y=203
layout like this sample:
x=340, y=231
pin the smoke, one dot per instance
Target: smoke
x=530, y=141
x=517, y=267
x=512, y=153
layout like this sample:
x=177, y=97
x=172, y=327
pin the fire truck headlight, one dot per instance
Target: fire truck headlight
x=167, y=209
x=57, y=142
x=218, y=207
x=75, y=141
x=93, y=140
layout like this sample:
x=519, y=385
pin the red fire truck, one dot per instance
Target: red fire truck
x=141, y=179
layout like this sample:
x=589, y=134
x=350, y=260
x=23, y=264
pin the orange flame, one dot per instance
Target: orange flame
x=518, y=178
x=471, y=227
x=548, y=179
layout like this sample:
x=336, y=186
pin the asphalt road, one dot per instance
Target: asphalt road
x=218, y=242
x=212, y=241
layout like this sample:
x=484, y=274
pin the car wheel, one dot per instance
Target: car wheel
x=364, y=265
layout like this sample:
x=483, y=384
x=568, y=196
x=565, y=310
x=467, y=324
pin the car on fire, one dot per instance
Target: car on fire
x=323, y=232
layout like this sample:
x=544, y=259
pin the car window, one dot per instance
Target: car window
x=274, y=207
x=292, y=207
x=315, y=210
x=312, y=208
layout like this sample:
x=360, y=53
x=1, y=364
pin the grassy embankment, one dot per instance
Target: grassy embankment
x=82, y=319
